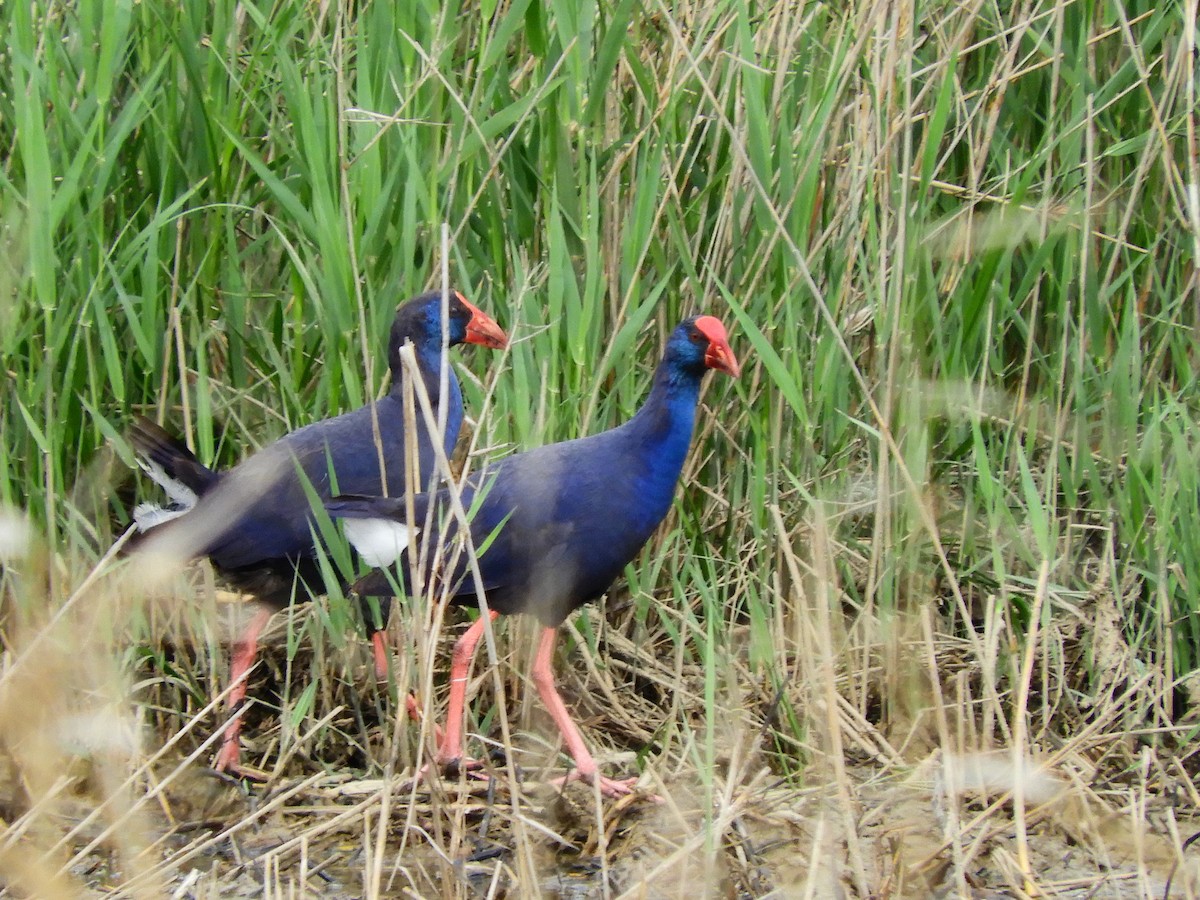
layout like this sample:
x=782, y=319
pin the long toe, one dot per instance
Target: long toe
x=452, y=768
x=228, y=762
x=229, y=756
x=609, y=787
x=473, y=768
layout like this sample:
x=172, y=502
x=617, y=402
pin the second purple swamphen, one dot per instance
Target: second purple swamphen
x=563, y=521
x=255, y=520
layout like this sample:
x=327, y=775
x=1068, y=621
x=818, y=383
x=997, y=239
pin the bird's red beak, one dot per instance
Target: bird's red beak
x=719, y=355
x=482, y=328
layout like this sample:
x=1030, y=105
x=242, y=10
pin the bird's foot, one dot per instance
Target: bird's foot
x=472, y=768
x=452, y=766
x=229, y=762
x=229, y=756
x=613, y=788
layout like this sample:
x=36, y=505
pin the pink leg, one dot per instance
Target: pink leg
x=380, y=648
x=450, y=749
x=585, y=765
x=413, y=706
x=228, y=758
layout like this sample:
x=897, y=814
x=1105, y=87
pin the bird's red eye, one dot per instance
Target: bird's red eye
x=696, y=337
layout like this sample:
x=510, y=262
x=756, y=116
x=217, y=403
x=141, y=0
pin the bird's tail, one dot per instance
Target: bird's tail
x=375, y=526
x=171, y=466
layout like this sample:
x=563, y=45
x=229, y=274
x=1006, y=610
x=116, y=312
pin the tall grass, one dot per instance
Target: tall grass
x=956, y=245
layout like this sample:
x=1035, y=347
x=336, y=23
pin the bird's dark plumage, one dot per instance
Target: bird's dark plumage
x=561, y=521
x=260, y=531
x=255, y=520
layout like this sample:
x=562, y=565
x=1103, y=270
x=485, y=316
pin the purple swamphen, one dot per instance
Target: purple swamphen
x=255, y=520
x=561, y=521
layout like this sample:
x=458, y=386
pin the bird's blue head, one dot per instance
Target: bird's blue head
x=420, y=320
x=700, y=343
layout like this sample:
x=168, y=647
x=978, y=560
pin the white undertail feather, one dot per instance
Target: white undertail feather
x=179, y=492
x=150, y=515
x=378, y=541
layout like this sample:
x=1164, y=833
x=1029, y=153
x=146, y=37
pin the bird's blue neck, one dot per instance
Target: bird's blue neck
x=429, y=360
x=429, y=363
x=663, y=425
